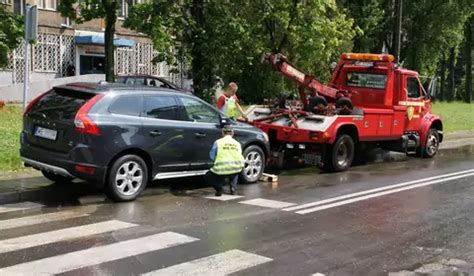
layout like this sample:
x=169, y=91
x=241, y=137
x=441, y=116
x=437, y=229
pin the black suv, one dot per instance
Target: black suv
x=121, y=137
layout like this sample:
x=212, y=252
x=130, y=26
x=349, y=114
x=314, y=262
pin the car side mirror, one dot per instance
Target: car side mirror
x=433, y=88
x=225, y=121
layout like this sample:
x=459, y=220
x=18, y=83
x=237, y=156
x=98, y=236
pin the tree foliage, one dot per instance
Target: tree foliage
x=86, y=10
x=11, y=32
x=225, y=39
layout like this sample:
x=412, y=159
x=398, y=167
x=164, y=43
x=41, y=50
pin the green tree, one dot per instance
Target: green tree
x=11, y=32
x=223, y=40
x=96, y=9
x=468, y=57
x=369, y=17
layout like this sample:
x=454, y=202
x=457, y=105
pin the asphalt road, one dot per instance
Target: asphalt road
x=386, y=217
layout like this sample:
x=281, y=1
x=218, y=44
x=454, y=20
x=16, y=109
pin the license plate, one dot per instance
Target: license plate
x=312, y=159
x=45, y=133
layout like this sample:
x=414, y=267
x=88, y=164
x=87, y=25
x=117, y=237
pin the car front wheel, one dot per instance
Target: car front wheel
x=254, y=164
x=127, y=178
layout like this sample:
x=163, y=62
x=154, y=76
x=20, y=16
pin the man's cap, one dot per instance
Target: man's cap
x=227, y=128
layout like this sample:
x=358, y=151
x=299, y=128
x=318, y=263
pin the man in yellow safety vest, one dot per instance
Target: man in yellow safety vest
x=228, y=161
x=228, y=103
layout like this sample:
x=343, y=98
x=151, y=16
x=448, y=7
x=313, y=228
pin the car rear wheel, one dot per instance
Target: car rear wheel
x=254, y=164
x=127, y=178
x=56, y=178
x=340, y=155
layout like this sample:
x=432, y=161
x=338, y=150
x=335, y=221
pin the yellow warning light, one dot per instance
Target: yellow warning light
x=368, y=57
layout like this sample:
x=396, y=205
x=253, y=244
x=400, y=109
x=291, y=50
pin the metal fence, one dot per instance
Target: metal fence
x=54, y=53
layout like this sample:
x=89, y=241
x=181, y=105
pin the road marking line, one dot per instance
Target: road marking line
x=329, y=200
x=19, y=206
x=224, y=197
x=267, y=203
x=39, y=219
x=318, y=274
x=62, y=235
x=340, y=203
x=218, y=264
x=97, y=255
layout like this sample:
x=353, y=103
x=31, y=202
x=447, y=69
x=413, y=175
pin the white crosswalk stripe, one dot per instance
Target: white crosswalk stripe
x=19, y=206
x=97, y=255
x=218, y=264
x=275, y=204
x=224, y=197
x=39, y=219
x=62, y=235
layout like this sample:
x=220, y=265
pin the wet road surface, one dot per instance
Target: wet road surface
x=375, y=219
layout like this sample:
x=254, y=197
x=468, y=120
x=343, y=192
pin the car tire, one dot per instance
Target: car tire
x=432, y=144
x=315, y=103
x=56, y=178
x=340, y=155
x=254, y=159
x=127, y=178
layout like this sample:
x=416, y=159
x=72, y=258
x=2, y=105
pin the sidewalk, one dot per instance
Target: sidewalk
x=30, y=185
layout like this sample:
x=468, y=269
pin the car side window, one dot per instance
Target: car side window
x=136, y=81
x=162, y=107
x=127, y=105
x=413, y=88
x=198, y=111
x=155, y=83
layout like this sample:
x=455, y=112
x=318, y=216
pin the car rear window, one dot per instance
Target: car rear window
x=366, y=80
x=60, y=104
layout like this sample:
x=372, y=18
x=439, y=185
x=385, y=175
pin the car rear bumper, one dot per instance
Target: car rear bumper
x=61, y=164
x=45, y=167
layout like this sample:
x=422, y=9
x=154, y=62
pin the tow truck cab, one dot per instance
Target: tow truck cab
x=389, y=109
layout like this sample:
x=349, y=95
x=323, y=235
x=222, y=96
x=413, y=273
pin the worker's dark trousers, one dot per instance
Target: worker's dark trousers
x=218, y=181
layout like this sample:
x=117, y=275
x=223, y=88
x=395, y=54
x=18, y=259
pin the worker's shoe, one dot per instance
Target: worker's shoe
x=218, y=194
x=232, y=192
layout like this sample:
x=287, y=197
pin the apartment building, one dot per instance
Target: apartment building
x=64, y=48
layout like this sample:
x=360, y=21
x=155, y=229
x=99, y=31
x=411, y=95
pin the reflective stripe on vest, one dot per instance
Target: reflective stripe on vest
x=229, y=159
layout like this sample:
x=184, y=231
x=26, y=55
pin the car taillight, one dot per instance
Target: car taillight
x=34, y=101
x=85, y=169
x=82, y=122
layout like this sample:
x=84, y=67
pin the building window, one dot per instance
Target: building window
x=47, y=4
x=66, y=22
x=18, y=7
x=125, y=6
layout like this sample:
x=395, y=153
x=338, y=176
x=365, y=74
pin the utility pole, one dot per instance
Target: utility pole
x=398, y=28
x=31, y=32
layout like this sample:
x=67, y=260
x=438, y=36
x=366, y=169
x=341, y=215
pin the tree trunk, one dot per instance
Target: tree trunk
x=468, y=57
x=110, y=20
x=197, y=64
x=442, y=90
x=451, y=84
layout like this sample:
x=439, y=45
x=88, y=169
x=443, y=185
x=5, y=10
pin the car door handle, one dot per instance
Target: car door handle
x=155, y=133
x=200, y=135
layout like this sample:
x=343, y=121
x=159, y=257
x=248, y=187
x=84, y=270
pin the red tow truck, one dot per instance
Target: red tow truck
x=369, y=102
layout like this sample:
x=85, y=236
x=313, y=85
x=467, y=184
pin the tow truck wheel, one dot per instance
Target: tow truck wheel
x=432, y=144
x=254, y=164
x=317, y=105
x=340, y=155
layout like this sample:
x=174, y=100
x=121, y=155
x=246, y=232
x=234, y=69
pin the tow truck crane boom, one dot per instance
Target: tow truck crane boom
x=303, y=81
